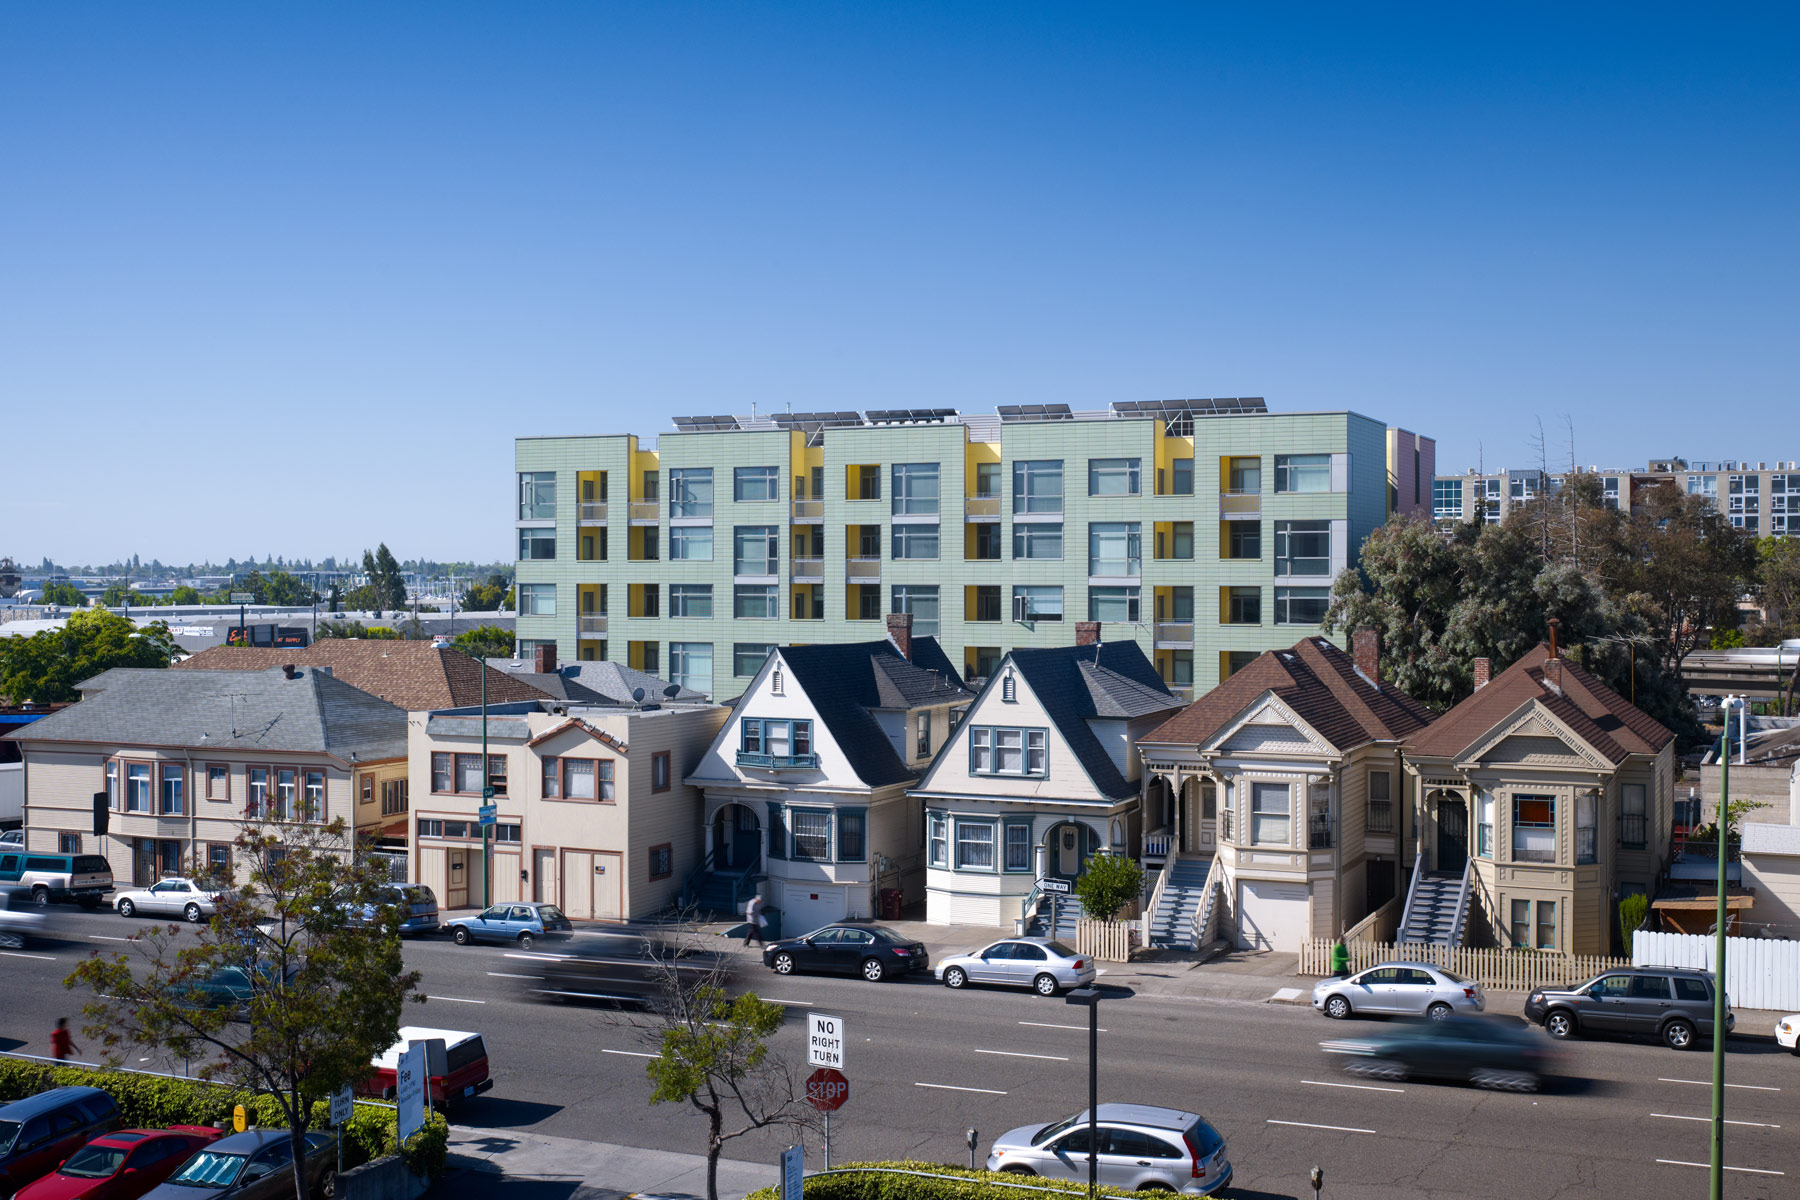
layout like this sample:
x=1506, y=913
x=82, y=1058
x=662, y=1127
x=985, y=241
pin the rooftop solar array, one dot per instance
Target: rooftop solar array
x=1035, y=412
x=1178, y=415
x=908, y=416
x=820, y=420
x=706, y=424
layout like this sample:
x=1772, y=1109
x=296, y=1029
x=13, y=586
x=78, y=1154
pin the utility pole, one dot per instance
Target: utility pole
x=487, y=798
x=1722, y=827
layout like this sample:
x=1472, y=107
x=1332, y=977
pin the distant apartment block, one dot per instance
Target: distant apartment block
x=1761, y=498
x=1206, y=530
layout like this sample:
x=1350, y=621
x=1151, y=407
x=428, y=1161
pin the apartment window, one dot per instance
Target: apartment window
x=781, y=739
x=915, y=541
x=1534, y=829
x=988, y=541
x=1632, y=816
x=394, y=798
x=366, y=789
x=537, y=599
x=690, y=665
x=1243, y=475
x=986, y=605
x=987, y=479
x=552, y=778
x=915, y=489
x=690, y=492
x=1018, y=846
x=756, y=551
x=218, y=782
x=1587, y=839
x=1037, y=603
x=1115, y=548
x=1038, y=486
x=440, y=773
x=468, y=774
x=662, y=861
x=496, y=773
x=1113, y=604
x=218, y=859
x=1181, y=477
x=812, y=834
x=1546, y=925
x=137, y=787
x=755, y=483
x=1521, y=924
x=690, y=543
x=938, y=838
x=287, y=793
x=1703, y=485
x=256, y=785
x=1381, y=802
x=112, y=785
x=747, y=658
x=1243, y=606
x=922, y=603
x=1303, y=472
x=1484, y=825
x=690, y=600
x=1176, y=540
x=172, y=796
x=852, y=824
x=974, y=845
x=1447, y=499
x=68, y=843
x=1301, y=606
x=659, y=771
x=1243, y=539
x=1303, y=547
x=313, y=794
x=922, y=746
x=756, y=601
x=867, y=604
x=1037, y=541
x=1270, y=814
x=866, y=482
x=1233, y=661
x=592, y=547
x=579, y=778
x=997, y=751
x=537, y=496
x=1114, y=476
x=536, y=545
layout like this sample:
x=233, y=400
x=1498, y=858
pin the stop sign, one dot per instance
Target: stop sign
x=827, y=1089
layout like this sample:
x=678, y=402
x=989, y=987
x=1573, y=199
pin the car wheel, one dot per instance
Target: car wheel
x=1156, y=1187
x=955, y=977
x=1375, y=1068
x=527, y=941
x=1337, y=1008
x=1017, y=1169
x=1678, y=1034
x=40, y=896
x=873, y=970
x=461, y=935
x=327, y=1185
x=127, y=908
x=1504, y=1080
x=1438, y=1012
x=192, y=913
x=12, y=941
x=783, y=963
x=1560, y=1024
x=1044, y=985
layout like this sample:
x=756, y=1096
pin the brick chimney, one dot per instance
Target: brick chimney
x=1553, y=674
x=546, y=659
x=899, y=627
x=1365, y=646
x=1484, y=671
x=1087, y=633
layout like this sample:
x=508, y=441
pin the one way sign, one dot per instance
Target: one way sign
x=825, y=1041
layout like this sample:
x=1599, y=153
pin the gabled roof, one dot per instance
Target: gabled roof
x=1592, y=711
x=1074, y=684
x=243, y=711
x=417, y=676
x=846, y=680
x=1319, y=683
x=596, y=682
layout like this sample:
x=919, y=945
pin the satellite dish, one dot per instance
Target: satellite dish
x=672, y=691
x=637, y=694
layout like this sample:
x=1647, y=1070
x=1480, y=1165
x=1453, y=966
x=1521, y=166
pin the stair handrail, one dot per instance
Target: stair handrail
x=1205, y=921
x=1412, y=892
x=1028, y=909
x=687, y=896
x=1462, y=904
x=1162, y=881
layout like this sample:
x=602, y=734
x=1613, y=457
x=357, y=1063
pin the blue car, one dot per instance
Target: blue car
x=523, y=924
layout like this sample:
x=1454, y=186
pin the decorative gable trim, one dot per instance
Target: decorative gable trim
x=1267, y=709
x=1533, y=720
x=599, y=735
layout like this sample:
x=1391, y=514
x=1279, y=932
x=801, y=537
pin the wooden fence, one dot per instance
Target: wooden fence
x=1511, y=970
x=1108, y=941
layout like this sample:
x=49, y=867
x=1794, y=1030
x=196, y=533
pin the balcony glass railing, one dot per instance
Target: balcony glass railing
x=646, y=510
x=863, y=568
x=809, y=510
x=1113, y=568
x=593, y=512
x=776, y=762
x=981, y=506
x=1240, y=504
x=1175, y=631
x=808, y=569
x=593, y=622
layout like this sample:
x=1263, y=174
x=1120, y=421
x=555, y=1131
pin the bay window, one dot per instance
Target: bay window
x=939, y=838
x=1534, y=828
x=974, y=845
x=1270, y=814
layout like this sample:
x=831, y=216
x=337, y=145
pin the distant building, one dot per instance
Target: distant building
x=1761, y=498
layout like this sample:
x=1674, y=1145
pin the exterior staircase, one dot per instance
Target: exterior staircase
x=715, y=894
x=1434, y=911
x=1172, y=925
x=1056, y=918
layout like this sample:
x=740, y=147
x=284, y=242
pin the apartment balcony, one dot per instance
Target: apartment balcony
x=809, y=510
x=646, y=512
x=862, y=570
x=778, y=762
x=1183, y=692
x=807, y=570
x=592, y=623
x=593, y=512
x=1240, y=506
x=981, y=509
x=1174, y=634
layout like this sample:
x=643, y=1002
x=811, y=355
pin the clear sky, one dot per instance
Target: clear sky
x=290, y=278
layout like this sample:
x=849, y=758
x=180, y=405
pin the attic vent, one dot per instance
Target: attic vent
x=1009, y=689
x=778, y=684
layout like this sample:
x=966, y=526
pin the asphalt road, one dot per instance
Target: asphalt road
x=925, y=1064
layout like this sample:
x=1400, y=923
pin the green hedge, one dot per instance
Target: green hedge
x=155, y=1102
x=968, y=1185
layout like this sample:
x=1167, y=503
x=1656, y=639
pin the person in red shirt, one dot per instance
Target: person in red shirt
x=62, y=1042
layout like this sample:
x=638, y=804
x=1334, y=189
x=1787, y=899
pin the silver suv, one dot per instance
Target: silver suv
x=1142, y=1148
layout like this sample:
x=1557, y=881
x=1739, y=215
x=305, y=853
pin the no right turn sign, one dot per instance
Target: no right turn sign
x=825, y=1041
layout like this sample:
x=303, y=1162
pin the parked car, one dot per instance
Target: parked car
x=19, y=917
x=12, y=839
x=122, y=1165
x=872, y=951
x=456, y=1065
x=418, y=908
x=1674, y=1004
x=1787, y=1032
x=257, y=1164
x=1475, y=1050
x=170, y=897
x=1142, y=1148
x=1399, y=989
x=524, y=923
x=83, y=878
x=1043, y=965
x=39, y=1132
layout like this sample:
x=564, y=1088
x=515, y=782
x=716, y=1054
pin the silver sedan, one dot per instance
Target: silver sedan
x=170, y=897
x=1043, y=965
x=1402, y=988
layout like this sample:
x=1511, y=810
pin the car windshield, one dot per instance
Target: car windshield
x=1452, y=976
x=550, y=912
x=1049, y=1131
x=95, y=1162
x=8, y=1131
x=210, y=1169
x=882, y=931
x=1059, y=948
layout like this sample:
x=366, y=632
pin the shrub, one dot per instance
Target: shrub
x=865, y=1184
x=1110, y=882
x=156, y=1102
x=1632, y=910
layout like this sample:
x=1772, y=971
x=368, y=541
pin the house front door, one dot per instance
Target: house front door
x=1453, y=836
x=1068, y=851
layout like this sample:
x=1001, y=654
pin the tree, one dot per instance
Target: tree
x=45, y=667
x=486, y=641
x=493, y=596
x=281, y=587
x=1778, y=587
x=385, y=577
x=64, y=594
x=184, y=595
x=1109, y=883
x=326, y=980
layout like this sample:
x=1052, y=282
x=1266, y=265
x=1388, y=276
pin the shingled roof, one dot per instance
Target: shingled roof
x=846, y=680
x=1319, y=683
x=596, y=682
x=415, y=675
x=1597, y=714
x=1107, y=680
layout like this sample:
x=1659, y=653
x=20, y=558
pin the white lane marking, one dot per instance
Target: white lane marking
x=795, y=1003
x=1017, y=1054
x=39, y=957
x=1676, y=1162
x=101, y=937
x=1751, y=1124
x=507, y=975
x=540, y=957
x=950, y=1087
x=1361, y=1087
x=1310, y=1125
x=1047, y=1025
x=632, y=1053
x=1751, y=1087
x=456, y=999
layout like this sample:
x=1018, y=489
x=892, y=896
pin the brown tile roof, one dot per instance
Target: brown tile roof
x=1319, y=683
x=415, y=676
x=1606, y=720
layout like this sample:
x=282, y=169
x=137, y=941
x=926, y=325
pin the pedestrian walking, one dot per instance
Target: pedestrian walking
x=62, y=1042
x=754, y=920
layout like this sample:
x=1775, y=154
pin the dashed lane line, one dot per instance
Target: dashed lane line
x=632, y=1053
x=510, y=975
x=950, y=1087
x=1751, y=1124
x=1018, y=1054
x=1361, y=1087
x=1310, y=1125
x=39, y=957
x=456, y=999
x=1749, y=1087
x=1676, y=1162
x=101, y=937
x=1048, y=1025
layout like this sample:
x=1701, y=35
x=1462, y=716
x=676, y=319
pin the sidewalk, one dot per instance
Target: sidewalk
x=536, y=1167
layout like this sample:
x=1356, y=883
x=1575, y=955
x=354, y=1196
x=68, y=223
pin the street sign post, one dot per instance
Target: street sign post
x=793, y=1169
x=342, y=1106
x=1048, y=884
x=243, y=598
x=485, y=814
x=409, y=1091
x=826, y=1090
x=825, y=1041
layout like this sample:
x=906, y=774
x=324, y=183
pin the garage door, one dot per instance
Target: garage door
x=806, y=907
x=1271, y=916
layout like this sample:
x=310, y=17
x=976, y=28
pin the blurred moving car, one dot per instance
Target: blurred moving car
x=1673, y=1004
x=1399, y=989
x=19, y=917
x=230, y=987
x=1041, y=964
x=524, y=922
x=1787, y=1032
x=1477, y=1050
x=456, y=1065
x=170, y=897
x=39, y=1132
x=121, y=1165
x=624, y=971
x=257, y=1164
x=1142, y=1148
x=872, y=951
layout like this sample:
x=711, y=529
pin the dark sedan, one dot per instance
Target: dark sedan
x=257, y=1164
x=872, y=951
x=1463, y=1049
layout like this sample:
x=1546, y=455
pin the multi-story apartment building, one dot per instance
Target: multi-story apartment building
x=1206, y=530
x=1761, y=498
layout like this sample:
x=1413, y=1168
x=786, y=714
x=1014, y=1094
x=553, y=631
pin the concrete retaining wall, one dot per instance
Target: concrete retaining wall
x=385, y=1178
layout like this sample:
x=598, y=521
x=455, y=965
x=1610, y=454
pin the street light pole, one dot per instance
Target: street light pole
x=1722, y=830
x=1090, y=996
x=487, y=796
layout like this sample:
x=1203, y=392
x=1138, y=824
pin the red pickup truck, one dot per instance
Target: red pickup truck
x=455, y=1063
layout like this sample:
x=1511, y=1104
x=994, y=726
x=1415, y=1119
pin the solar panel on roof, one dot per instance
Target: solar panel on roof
x=818, y=420
x=1034, y=412
x=706, y=424
x=900, y=416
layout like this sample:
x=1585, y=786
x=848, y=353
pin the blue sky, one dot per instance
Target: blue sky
x=289, y=279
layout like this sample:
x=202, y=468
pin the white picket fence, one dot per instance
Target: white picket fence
x=1508, y=970
x=1759, y=972
x=1108, y=941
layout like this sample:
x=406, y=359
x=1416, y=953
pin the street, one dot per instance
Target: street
x=925, y=1064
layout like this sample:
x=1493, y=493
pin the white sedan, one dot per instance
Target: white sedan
x=169, y=897
x=1787, y=1032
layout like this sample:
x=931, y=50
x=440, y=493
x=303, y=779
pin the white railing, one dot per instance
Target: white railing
x=863, y=568
x=1379, y=926
x=1206, y=916
x=593, y=512
x=1108, y=941
x=1462, y=903
x=1156, y=845
x=1510, y=970
x=1156, y=893
x=593, y=622
x=1412, y=889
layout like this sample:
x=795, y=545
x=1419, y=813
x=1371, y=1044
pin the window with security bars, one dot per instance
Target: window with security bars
x=812, y=834
x=1381, y=802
